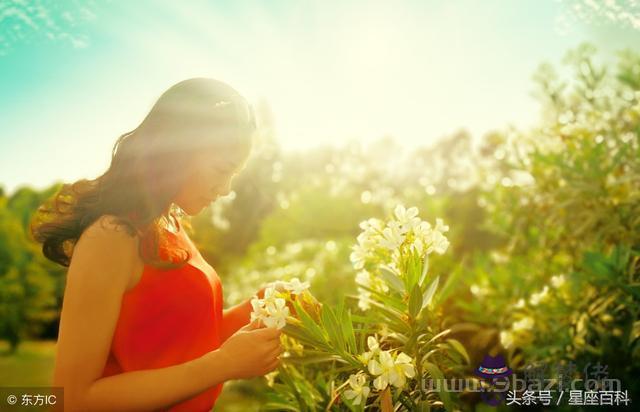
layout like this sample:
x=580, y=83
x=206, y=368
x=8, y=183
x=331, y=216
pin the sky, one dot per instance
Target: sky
x=74, y=75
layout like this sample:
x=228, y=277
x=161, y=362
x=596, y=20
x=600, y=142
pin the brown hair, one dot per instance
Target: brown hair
x=147, y=170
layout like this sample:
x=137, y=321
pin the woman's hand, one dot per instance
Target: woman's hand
x=253, y=350
x=308, y=302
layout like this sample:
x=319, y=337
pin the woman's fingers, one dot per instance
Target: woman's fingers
x=274, y=353
x=265, y=336
x=273, y=365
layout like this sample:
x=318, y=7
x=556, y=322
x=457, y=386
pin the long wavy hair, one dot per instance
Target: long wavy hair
x=147, y=170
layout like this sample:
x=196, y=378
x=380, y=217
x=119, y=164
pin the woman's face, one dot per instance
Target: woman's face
x=209, y=176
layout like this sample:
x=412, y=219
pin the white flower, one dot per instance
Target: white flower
x=433, y=237
x=392, y=236
x=404, y=368
x=407, y=218
x=439, y=243
x=363, y=299
x=358, y=256
x=270, y=293
x=506, y=338
x=359, y=388
x=423, y=230
x=540, y=296
x=479, y=290
x=295, y=286
x=371, y=224
x=383, y=368
x=418, y=246
x=271, y=310
x=525, y=323
x=363, y=278
x=277, y=312
x=374, y=349
x=258, y=310
x=519, y=304
x=367, y=239
x=440, y=226
x=390, y=370
x=380, y=285
x=557, y=281
x=384, y=330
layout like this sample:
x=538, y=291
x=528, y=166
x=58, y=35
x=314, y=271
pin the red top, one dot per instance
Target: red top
x=173, y=316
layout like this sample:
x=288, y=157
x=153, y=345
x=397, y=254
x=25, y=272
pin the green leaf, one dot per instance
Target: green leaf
x=387, y=299
x=393, y=317
x=363, y=319
x=413, y=270
x=449, y=284
x=347, y=330
x=277, y=406
x=304, y=336
x=439, y=335
x=436, y=374
x=392, y=279
x=332, y=327
x=424, y=406
x=309, y=324
x=455, y=344
x=415, y=301
x=425, y=269
x=431, y=290
x=303, y=360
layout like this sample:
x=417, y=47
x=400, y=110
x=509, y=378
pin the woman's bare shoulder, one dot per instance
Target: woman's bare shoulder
x=107, y=247
x=107, y=225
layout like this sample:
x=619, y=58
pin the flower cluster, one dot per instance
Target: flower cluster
x=405, y=230
x=385, y=366
x=517, y=332
x=521, y=331
x=272, y=309
x=382, y=243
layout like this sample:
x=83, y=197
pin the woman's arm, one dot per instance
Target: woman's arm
x=237, y=316
x=153, y=388
x=99, y=273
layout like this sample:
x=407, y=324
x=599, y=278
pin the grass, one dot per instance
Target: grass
x=32, y=365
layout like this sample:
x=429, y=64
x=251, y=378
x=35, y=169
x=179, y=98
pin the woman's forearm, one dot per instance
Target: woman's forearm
x=234, y=318
x=153, y=388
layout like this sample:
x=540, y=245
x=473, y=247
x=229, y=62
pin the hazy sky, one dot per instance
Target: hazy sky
x=76, y=74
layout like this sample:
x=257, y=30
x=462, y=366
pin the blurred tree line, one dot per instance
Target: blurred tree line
x=544, y=223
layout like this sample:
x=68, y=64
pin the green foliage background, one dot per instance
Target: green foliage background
x=524, y=206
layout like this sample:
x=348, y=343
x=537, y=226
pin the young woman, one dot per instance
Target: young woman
x=142, y=324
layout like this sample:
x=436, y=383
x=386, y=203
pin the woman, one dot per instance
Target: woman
x=142, y=325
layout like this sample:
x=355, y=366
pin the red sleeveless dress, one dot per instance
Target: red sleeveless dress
x=173, y=316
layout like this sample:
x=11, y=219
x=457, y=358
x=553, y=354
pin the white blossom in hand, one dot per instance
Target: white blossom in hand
x=271, y=310
x=295, y=286
x=277, y=311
